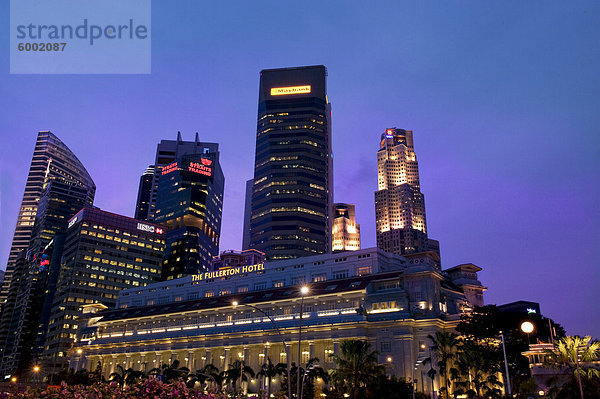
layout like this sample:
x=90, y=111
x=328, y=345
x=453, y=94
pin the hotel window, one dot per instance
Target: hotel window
x=179, y=298
x=340, y=274
x=282, y=357
x=278, y=283
x=209, y=293
x=319, y=277
x=386, y=346
x=298, y=280
x=192, y=296
x=225, y=291
x=260, y=286
x=363, y=271
x=305, y=357
x=243, y=288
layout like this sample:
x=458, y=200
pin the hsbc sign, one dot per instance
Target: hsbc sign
x=149, y=228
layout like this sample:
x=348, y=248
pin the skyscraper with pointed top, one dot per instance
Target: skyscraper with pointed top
x=185, y=196
x=399, y=204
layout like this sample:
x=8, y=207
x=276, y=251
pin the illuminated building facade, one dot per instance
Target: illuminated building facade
x=167, y=151
x=57, y=187
x=237, y=258
x=103, y=254
x=142, y=207
x=394, y=302
x=190, y=204
x=399, y=204
x=51, y=157
x=345, y=233
x=60, y=200
x=292, y=191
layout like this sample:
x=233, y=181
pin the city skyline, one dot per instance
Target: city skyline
x=504, y=183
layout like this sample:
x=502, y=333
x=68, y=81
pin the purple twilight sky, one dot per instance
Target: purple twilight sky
x=503, y=98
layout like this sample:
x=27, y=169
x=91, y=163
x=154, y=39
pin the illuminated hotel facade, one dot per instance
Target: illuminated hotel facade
x=218, y=317
x=292, y=188
x=401, y=225
x=345, y=233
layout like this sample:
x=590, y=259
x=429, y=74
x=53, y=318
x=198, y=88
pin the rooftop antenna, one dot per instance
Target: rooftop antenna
x=197, y=137
x=179, y=137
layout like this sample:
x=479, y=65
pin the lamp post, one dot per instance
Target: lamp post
x=527, y=328
x=285, y=346
x=506, y=366
x=303, y=291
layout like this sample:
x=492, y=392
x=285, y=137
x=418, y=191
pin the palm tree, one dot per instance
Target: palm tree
x=445, y=349
x=356, y=367
x=238, y=371
x=208, y=373
x=125, y=377
x=572, y=353
x=171, y=371
x=313, y=371
x=269, y=371
x=477, y=370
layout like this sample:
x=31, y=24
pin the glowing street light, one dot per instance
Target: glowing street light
x=389, y=359
x=36, y=369
x=14, y=379
x=79, y=351
x=303, y=291
x=527, y=328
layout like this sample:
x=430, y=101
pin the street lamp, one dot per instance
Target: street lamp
x=527, y=327
x=506, y=366
x=303, y=291
x=285, y=346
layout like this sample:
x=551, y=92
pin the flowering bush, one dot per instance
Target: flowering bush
x=146, y=389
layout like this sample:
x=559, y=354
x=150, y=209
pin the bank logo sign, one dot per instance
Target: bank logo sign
x=285, y=91
x=80, y=36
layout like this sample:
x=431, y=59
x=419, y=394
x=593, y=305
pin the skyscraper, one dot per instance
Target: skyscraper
x=142, y=208
x=103, y=254
x=51, y=157
x=167, y=151
x=190, y=204
x=66, y=188
x=345, y=233
x=399, y=204
x=293, y=179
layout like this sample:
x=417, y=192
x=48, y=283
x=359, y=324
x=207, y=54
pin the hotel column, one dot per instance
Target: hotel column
x=143, y=362
x=311, y=350
x=226, y=359
x=190, y=361
x=207, y=359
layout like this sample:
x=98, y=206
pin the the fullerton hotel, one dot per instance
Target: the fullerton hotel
x=247, y=312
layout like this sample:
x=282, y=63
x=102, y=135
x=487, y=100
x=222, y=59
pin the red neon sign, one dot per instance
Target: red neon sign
x=200, y=168
x=205, y=161
x=169, y=168
x=159, y=230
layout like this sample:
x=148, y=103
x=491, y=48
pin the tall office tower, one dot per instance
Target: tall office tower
x=103, y=254
x=51, y=157
x=399, y=203
x=61, y=198
x=167, y=151
x=293, y=179
x=247, y=215
x=142, y=207
x=190, y=204
x=345, y=233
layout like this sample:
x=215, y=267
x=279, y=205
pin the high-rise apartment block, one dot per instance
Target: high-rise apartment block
x=345, y=233
x=399, y=204
x=292, y=190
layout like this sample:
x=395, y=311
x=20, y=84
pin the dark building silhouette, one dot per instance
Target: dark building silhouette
x=292, y=191
x=142, y=208
x=190, y=204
